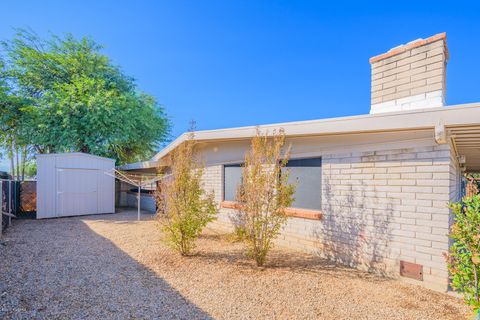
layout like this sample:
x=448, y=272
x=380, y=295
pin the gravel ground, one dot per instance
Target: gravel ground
x=113, y=267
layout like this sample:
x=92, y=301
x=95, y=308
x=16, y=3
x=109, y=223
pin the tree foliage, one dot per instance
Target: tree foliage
x=264, y=193
x=464, y=256
x=15, y=112
x=78, y=100
x=183, y=205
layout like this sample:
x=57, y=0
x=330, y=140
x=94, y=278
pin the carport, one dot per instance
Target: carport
x=466, y=144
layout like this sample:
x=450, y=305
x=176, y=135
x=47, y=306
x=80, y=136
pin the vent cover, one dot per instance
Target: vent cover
x=411, y=270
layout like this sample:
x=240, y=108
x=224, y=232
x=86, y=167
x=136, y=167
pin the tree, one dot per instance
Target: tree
x=264, y=193
x=14, y=115
x=183, y=205
x=80, y=100
x=464, y=254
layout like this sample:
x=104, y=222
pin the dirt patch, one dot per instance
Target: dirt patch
x=113, y=267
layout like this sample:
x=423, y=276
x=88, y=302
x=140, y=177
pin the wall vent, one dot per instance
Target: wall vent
x=411, y=270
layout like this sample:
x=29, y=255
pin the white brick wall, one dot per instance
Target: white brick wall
x=378, y=208
x=413, y=79
x=213, y=181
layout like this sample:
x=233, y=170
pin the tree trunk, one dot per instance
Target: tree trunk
x=12, y=163
x=24, y=159
x=18, y=160
x=85, y=149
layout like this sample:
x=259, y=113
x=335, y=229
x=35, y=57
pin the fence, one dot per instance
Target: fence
x=10, y=201
x=18, y=198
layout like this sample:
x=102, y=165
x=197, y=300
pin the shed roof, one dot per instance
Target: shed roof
x=66, y=154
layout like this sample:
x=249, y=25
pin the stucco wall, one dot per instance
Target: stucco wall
x=379, y=207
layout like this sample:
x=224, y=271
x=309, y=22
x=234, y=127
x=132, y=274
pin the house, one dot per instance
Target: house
x=372, y=189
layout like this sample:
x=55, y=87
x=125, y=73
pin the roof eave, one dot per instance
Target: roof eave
x=393, y=121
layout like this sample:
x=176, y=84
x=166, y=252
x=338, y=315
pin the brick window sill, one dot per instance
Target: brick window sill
x=291, y=212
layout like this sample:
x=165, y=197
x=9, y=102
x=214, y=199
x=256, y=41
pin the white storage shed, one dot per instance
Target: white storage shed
x=72, y=184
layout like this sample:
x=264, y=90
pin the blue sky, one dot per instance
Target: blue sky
x=235, y=63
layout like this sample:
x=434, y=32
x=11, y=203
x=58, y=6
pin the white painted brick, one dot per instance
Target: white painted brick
x=416, y=215
x=433, y=264
x=431, y=168
x=402, y=169
x=418, y=163
x=439, y=204
x=416, y=228
x=387, y=175
x=405, y=233
x=389, y=164
x=431, y=237
x=433, y=182
x=402, y=195
x=417, y=189
x=441, y=175
x=388, y=188
x=417, y=175
x=440, y=231
x=430, y=250
x=442, y=217
x=412, y=202
x=433, y=196
x=433, y=154
x=411, y=240
x=432, y=223
x=363, y=165
x=415, y=254
x=432, y=210
x=440, y=245
x=401, y=182
x=362, y=176
x=350, y=170
x=441, y=190
x=403, y=221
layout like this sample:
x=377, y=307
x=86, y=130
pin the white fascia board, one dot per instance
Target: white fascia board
x=404, y=120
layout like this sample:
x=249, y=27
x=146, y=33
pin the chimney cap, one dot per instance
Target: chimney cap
x=412, y=44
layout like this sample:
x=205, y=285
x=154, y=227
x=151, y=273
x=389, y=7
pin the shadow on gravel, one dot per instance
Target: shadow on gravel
x=62, y=269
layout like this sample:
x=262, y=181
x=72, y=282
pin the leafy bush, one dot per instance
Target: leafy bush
x=184, y=207
x=464, y=256
x=264, y=194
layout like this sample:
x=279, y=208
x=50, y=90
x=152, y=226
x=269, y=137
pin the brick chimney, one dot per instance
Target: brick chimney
x=410, y=76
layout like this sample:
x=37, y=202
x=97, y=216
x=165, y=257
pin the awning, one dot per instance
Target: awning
x=141, y=166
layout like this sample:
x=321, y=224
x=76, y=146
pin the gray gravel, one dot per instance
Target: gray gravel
x=113, y=267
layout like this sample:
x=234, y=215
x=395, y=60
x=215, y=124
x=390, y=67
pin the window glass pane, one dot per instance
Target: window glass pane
x=307, y=174
x=232, y=179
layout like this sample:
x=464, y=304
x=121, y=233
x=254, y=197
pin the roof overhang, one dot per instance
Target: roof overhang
x=466, y=143
x=462, y=122
x=393, y=121
x=142, y=166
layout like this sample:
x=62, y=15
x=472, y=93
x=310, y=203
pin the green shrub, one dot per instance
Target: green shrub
x=184, y=206
x=464, y=256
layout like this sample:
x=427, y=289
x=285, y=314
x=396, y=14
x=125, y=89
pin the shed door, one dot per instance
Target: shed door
x=76, y=192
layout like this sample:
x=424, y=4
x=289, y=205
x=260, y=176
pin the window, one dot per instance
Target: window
x=307, y=174
x=232, y=178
